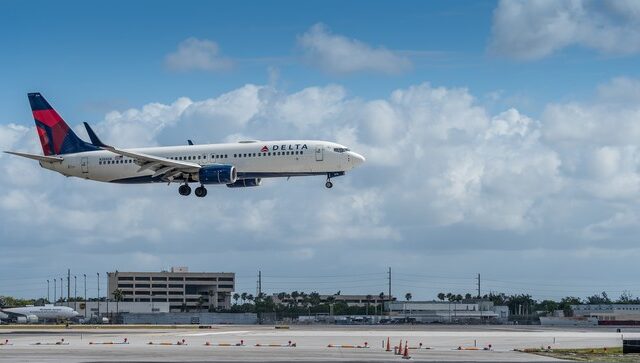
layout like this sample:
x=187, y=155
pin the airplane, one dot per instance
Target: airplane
x=236, y=165
x=32, y=314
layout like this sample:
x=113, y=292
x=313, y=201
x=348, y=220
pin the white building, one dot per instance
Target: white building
x=608, y=312
x=436, y=311
x=104, y=308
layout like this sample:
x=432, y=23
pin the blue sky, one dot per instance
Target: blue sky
x=494, y=131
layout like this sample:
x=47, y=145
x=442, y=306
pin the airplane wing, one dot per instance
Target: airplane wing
x=49, y=159
x=167, y=169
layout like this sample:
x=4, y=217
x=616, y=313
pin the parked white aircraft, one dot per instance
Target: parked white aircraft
x=32, y=314
x=241, y=164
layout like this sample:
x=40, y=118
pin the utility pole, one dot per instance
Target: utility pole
x=85, y=295
x=75, y=293
x=98, y=294
x=479, y=286
x=48, y=292
x=54, y=290
x=389, y=309
x=259, y=283
x=68, y=284
x=61, y=290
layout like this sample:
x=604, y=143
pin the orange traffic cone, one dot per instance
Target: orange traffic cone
x=405, y=355
x=388, y=345
x=400, y=347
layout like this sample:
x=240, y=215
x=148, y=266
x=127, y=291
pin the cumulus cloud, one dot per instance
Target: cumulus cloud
x=197, y=55
x=442, y=174
x=530, y=30
x=336, y=53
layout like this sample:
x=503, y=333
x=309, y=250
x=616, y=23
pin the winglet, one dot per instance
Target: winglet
x=94, y=138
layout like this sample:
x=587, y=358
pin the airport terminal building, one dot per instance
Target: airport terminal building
x=182, y=290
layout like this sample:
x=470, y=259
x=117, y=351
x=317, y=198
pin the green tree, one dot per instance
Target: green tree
x=566, y=302
x=243, y=296
x=441, y=296
x=408, y=296
x=236, y=296
x=117, y=296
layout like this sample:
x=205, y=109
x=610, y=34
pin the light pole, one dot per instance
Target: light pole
x=48, y=292
x=85, y=295
x=98, y=294
x=107, y=295
x=54, y=291
x=75, y=293
x=61, y=290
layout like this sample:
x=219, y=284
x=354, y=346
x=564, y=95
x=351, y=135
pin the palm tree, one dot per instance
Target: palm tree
x=117, y=295
x=441, y=296
x=314, y=299
x=243, y=296
x=201, y=300
x=294, y=296
x=467, y=296
x=236, y=296
x=408, y=296
x=250, y=297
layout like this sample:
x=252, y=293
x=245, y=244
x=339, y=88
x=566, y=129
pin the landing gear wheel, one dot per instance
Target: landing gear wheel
x=184, y=189
x=201, y=191
x=328, y=184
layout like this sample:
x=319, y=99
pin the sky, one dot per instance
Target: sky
x=501, y=138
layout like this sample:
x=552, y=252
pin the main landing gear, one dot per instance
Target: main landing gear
x=184, y=189
x=201, y=191
x=328, y=184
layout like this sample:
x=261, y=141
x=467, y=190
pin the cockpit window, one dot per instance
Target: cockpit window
x=340, y=149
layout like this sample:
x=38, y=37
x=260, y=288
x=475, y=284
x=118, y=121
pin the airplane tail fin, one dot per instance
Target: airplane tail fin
x=56, y=137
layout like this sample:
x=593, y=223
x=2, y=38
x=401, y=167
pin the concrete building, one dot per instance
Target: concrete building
x=350, y=300
x=181, y=289
x=91, y=308
x=608, y=312
x=444, y=312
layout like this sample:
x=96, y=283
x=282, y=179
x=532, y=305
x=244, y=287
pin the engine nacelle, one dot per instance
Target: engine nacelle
x=27, y=319
x=218, y=174
x=242, y=183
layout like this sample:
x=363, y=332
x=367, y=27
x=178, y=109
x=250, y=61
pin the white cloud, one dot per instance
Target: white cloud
x=534, y=29
x=198, y=54
x=442, y=174
x=338, y=54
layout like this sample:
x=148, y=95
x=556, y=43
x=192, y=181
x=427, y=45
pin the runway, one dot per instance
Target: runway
x=299, y=343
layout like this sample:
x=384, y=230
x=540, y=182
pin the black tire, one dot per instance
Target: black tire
x=328, y=184
x=184, y=189
x=201, y=192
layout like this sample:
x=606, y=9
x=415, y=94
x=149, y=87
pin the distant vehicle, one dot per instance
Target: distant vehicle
x=33, y=314
x=236, y=165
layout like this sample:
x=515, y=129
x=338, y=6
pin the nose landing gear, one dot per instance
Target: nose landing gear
x=201, y=191
x=328, y=184
x=184, y=189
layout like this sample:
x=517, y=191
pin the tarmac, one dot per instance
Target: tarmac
x=297, y=343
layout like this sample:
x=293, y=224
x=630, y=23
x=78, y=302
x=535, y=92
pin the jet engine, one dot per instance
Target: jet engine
x=27, y=319
x=218, y=174
x=242, y=183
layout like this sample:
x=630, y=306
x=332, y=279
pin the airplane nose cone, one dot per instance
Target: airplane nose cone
x=357, y=159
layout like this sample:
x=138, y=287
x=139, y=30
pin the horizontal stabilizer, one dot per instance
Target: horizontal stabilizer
x=49, y=159
x=94, y=138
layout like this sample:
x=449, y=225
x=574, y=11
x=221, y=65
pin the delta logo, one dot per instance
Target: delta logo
x=284, y=147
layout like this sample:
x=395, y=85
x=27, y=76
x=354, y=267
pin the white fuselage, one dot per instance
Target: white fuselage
x=252, y=159
x=44, y=312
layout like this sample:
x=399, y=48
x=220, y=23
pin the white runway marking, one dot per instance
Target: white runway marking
x=218, y=333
